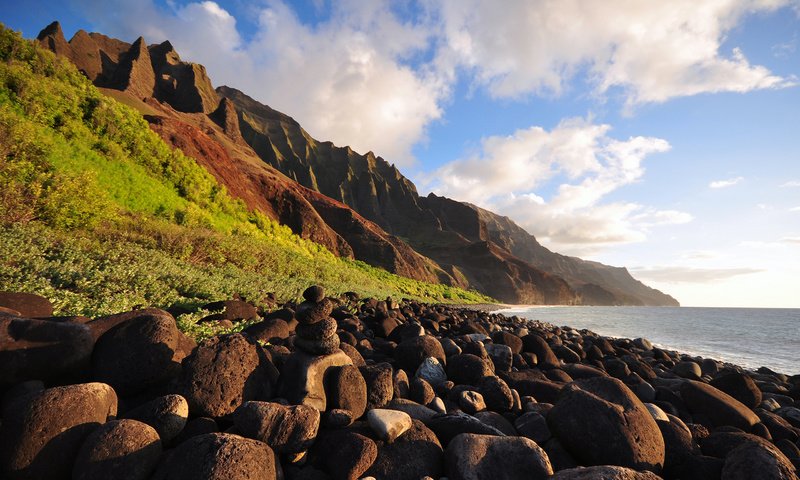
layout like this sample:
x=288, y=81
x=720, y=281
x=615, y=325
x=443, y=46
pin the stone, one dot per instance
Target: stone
x=537, y=345
x=388, y=424
x=642, y=344
x=287, y=429
x=303, y=377
x=509, y=339
x=450, y=425
x=432, y=371
x=126, y=449
x=325, y=346
x=496, y=393
x=346, y=389
x=501, y=356
x=467, y=369
x=413, y=409
x=475, y=457
x=138, y=354
x=410, y=353
x=219, y=456
x=314, y=294
x=622, y=430
x=400, y=381
x=757, y=460
x=318, y=331
x=688, y=369
x=533, y=425
x=471, y=402
x=337, y=418
x=415, y=454
x=42, y=432
x=718, y=406
x=270, y=330
x=232, y=310
x=498, y=421
x=656, y=412
x=313, y=312
x=739, y=386
x=224, y=372
x=603, y=472
x=27, y=305
x=421, y=391
x=167, y=415
x=354, y=355
x=346, y=455
x=197, y=426
x=42, y=350
x=380, y=384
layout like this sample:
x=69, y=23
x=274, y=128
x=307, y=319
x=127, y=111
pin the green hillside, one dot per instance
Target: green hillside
x=100, y=215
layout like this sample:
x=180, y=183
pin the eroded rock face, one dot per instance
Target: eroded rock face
x=474, y=457
x=223, y=373
x=623, y=432
x=219, y=456
x=42, y=432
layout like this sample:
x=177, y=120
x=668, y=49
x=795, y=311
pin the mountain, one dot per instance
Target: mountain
x=356, y=205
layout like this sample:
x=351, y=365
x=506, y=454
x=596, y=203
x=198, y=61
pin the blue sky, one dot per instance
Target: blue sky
x=659, y=136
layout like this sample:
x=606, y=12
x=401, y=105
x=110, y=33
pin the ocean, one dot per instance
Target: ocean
x=750, y=337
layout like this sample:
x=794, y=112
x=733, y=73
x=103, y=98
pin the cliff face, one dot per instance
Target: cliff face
x=356, y=205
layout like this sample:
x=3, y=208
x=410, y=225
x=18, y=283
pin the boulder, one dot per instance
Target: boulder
x=138, y=354
x=413, y=409
x=167, y=415
x=413, y=455
x=496, y=393
x=42, y=350
x=346, y=389
x=717, y=406
x=533, y=425
x=498, y=421
x=421, y=391
x=688, y=369
x=739, y=386
x=537, y=345
x=468, y=369
x=604, y=472
x=432, y=371
x=126, y=449
x=224, y=372
x=313, y=312
x=622, y=431
x=506, y=338
x=219, y=456
x=26, y=305
x=471, y=402
x=450, y=425
x=271, y=330
x=197, y=426
x=42, y=432
x=287, y=429
x=345, y=455
x=231, y=310
x=380, y=384
x=757, y=460
x=476, y=457
x=101, y=325
x=388, y=424
x=412, y=352
x=501, y=356
x=303, y=377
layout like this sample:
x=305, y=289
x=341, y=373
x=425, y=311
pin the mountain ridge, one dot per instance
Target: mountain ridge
x=357, y=205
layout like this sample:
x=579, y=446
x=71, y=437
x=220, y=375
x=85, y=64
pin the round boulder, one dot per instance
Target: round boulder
x=718, y=406
x=468, y=369
x=380, y=384
x=604, y=472
x=126, y=449
x=346, y=389
x=739, y=386
x=757, y=460
x=287, y=429
x=415, y=454
x=411, y=352
x=27, y=304
x=167, y=415
x=475, y=457
x=345, y=455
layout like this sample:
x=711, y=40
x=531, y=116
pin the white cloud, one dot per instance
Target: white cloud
x=690, y=274
x=580, y=163
x=794, y=209
x=652, y=51
x=791, y=184
x=791, y=240
x=725, y=183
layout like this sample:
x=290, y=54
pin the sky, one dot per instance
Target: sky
x=659, y=136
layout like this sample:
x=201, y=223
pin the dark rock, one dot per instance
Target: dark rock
x=346, y=389
x=501, y=356
x=467, y=369
x=537, y=345
x=126, y=449
x=380, y=385
x=20, y=390
x=26, y=305
x=42, y=432
x=326, y=346
x=354, y=355
x=313, y=312
x=778, y=426
x=739, y=386
x=604, y=472
x=448, y=426
x=400, y=381
x=541, y=390
x=223, y=373
x=197, y=426
x=415, y=454
x=557, y=375
x=688, y=369
x=578, y=371
x=411, y=352
x=718, y=406
x=317, y=331
x=337, y=418
x=471, y=402
x=167, y=415
x=720, y=444
x=496, y=393
x=560, y=458
x=219, y=456
x=413, y=409
x=496, y=420
x=757, y=460
x=289, y=429
x=303, y=377
x=505, y=338
x=346, y=455
x=533, y=425
x=271, y=330
x=42, y=350
x=314, y=294
x=475, y=457
x=232, y=310
x=622, y=431
x=138, y=354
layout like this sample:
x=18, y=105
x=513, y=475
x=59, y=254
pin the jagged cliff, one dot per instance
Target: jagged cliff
x=357, y=205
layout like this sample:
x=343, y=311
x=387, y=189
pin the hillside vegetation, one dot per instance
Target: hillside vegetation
x=98, y=214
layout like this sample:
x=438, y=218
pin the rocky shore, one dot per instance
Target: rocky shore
x=344, y=388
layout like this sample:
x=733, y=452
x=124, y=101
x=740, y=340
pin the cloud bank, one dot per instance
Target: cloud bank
x=690, y=274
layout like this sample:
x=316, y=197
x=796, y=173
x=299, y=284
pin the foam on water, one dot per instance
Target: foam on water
x=750, y=337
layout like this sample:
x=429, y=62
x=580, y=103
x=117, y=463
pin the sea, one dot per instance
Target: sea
x=749, y=337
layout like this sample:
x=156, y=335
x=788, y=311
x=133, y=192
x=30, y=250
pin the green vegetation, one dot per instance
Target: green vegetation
x=98, y=214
